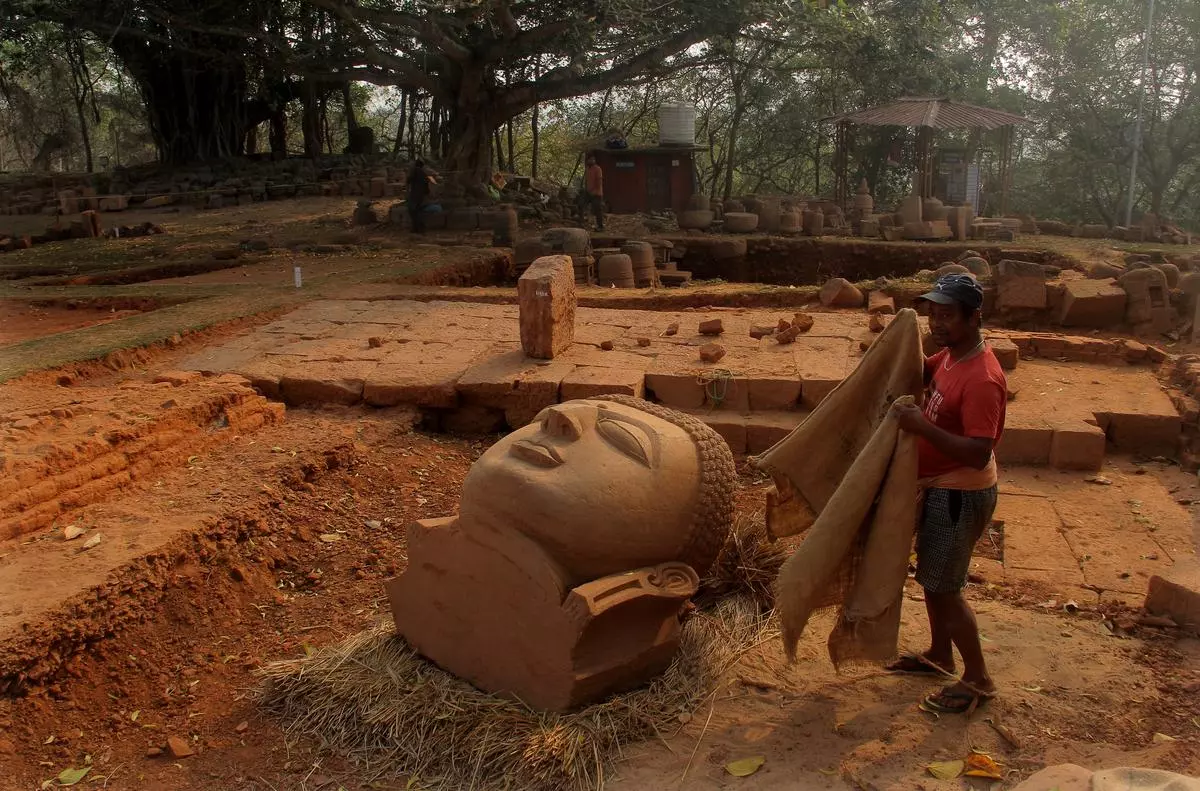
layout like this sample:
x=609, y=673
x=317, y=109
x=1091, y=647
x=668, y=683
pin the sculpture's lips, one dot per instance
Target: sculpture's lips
x=534, y=453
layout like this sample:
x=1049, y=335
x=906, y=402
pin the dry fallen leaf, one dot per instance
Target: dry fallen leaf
x=981, y=765
x=744, y=767
x=69, y=777
x=946, y=770
x=329, y=538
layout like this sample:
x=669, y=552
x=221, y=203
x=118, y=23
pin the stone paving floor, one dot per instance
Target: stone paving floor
x=466, y=359
x=463, y=361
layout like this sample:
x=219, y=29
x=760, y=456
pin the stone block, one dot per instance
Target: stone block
x=546, y=297
x=510, y=381
x=764, y=429
x=927, y=230
x=1077, y=446
x=1145, y=289
x=910, y=209
x=588, y=381
x=679, y=390
x=958, y=218
x=1150, y=433
x=1033, y=538
x=880, y=302
x=1006, y=352
x=730, y=425
x=814, y=389
x=91, y=224
x=773, y=393
x=423, y=385
x=712, y=352
x=1176, y=595
x=1020, y=284
x=322, y=382
x=841, y=293
x=114, y=203
x=1092, y=303
x=1026, y=440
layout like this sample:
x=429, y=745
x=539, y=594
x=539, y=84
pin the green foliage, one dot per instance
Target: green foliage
x=465, y=77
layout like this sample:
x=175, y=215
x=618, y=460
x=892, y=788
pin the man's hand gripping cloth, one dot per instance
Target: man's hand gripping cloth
x=848, y=475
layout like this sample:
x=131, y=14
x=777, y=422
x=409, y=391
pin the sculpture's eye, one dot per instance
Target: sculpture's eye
x=628, y=439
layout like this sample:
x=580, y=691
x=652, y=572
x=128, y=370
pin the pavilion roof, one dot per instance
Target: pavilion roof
x=936, y=113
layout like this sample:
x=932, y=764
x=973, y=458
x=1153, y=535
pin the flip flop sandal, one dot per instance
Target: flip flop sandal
x=951, y=701
x=914, y=665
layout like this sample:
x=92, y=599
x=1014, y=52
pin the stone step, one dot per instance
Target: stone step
x=753, y=432
x=674, y=279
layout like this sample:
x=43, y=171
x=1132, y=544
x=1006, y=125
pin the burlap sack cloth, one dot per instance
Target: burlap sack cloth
x=848, y=476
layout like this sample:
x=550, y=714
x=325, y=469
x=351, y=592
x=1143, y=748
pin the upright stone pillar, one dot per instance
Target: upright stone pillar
x=546, y=295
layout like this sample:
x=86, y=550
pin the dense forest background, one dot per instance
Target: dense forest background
x=483, y=85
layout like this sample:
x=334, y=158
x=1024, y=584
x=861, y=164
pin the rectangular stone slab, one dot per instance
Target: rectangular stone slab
x=589, y=381
x=1092, y=303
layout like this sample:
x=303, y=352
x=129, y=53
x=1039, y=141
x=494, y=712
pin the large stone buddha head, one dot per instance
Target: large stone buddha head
x=605, y=485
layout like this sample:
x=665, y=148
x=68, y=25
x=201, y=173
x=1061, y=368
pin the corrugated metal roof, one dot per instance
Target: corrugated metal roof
x=936, y=113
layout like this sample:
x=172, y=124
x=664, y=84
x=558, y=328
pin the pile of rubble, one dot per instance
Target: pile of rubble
x=208, y=185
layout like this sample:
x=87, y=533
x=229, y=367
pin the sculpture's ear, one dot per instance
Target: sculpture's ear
x=668, y=583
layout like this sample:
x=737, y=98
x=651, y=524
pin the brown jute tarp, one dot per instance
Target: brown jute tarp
x=848, y=476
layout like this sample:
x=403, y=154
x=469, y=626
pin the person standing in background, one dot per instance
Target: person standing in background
x=594, y=183
x=418, y=191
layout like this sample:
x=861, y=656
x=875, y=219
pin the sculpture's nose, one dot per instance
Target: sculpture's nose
x=561, y=423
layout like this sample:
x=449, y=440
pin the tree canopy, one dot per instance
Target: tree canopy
x=518, y=85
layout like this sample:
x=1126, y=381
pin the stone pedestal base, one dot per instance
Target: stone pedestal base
x=487, y=614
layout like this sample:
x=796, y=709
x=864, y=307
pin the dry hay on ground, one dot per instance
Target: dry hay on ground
x=748, y=565
x=395, y=713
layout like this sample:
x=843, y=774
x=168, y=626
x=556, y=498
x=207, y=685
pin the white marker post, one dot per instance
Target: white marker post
x=299, y=280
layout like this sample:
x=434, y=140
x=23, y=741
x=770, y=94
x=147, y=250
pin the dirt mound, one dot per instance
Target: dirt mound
x=77, y=444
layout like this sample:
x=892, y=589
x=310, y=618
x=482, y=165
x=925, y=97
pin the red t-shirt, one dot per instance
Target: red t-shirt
x=967, y=398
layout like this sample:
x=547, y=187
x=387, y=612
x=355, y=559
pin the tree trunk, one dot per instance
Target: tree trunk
x=279, y=133
x=194, y=106
x=512, y=167
x=735, y=123
x=83, y=132
x=399, y=143
x=535, y=132
x=325, y=132
x=534, y=129
x=351, y=121
x=469, y=153
x=310, y=120
x=435, y=128
x=415, y=104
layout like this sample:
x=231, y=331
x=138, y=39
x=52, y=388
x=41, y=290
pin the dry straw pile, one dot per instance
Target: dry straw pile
x=372, y=697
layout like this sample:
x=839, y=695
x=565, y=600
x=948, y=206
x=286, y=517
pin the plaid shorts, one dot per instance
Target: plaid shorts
x=951, y=522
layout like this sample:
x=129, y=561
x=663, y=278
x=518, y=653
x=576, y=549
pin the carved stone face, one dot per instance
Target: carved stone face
x=600, y=487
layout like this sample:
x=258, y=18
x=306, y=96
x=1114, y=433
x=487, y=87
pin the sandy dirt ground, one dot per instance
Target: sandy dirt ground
x=245, y=545
x=279, y=540
x=22, y=320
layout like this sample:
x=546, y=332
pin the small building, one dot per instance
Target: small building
x=647, y=179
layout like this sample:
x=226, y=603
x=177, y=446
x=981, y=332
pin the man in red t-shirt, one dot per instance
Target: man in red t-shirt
x=956, y=430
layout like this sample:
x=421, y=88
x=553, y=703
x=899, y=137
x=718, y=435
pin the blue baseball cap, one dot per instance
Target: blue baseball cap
x=961, y=289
